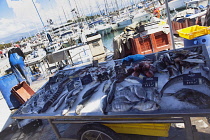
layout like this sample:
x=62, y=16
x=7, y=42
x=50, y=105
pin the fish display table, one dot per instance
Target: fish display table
x=164, y=87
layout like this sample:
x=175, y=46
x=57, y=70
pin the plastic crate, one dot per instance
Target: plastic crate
x=150, y=129
x=193, y=32
x=208, y=30
x=22, y=92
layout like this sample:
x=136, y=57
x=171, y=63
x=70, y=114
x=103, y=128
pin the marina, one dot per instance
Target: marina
x=133, y=66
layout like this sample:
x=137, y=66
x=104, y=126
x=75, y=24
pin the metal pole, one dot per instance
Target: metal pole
x=169, y=23
x=38, y=14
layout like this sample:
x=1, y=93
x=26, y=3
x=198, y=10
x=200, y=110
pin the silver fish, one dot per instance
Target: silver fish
x=139, y=91
x=60, y=102
x=121, y=106
x=154, y=95
x=107, y=86
x=58, y=99
x=134, y=79
x=146, y=106
x=192, y=96
x=90, y=91
x=76, y=91
x=69, y=104
x=26, y=109
x=111, y=93
x=179, y=78
x=82, y=104
x=127, y=94
x=103, y=104
x=200, y=61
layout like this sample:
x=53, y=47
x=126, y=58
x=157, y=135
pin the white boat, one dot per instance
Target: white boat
x=101, y=27
x=140, y=16
x=176, y=4
x=121, y=23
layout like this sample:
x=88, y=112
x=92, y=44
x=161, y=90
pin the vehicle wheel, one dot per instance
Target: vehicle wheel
x=96, y=132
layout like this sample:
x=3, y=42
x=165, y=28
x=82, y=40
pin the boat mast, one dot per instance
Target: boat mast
x=38, y=14
x=64, y=13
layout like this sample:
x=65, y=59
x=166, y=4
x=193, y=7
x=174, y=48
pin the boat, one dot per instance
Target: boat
x=121, y=23
x=141, y=16
x=101, y=27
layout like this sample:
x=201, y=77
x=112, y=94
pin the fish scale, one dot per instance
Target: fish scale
x=121, y=106
x=192, y=96
x=126, y=93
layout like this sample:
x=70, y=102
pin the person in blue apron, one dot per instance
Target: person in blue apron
x=16, y=60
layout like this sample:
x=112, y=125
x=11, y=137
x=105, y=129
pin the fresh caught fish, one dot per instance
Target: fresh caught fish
x=121, y=106
x=82, y=104
x=69, y=103
x=146, y=106
x=111, y=93
x=192, y=96
x=127, y=94
x=139, y=91
x=26, y=109
x=179, y=78
x=200, y=61
x=60, y=102
x=134, y=79
x=153, y=95
x=107, y=86
x=58, y=99
x=76, y=91
x=90, y=92
x=103, y=104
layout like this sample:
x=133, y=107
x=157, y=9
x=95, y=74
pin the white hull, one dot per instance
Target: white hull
x=176, y=4
x=141, y=17
x=121, y=24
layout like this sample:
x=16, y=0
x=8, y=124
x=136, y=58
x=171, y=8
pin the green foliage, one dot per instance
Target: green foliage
x=7, y=45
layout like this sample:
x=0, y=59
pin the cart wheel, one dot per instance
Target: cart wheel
x=96, y=132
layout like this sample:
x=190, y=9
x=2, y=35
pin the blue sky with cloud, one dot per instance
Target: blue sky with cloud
x=20, y=16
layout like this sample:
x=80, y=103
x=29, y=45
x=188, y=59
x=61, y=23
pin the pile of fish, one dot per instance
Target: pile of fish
x=62, y=90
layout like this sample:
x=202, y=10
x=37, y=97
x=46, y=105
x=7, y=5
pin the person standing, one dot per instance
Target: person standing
x=16, y=60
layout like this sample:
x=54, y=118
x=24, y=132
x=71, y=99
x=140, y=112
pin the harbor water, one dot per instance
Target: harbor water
x=108, y=39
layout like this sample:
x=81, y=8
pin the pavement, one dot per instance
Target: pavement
x=45, y=132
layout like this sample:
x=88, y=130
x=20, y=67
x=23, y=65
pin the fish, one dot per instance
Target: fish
x=76, y=91
x=127, y=94
x=179, y=78
x=134, y=79
x=139, y=91
x=103, y=104
x=153, y=95
x=146, y=106
x=60, y=102
x=26, y=109
x=106, y=87
x=121, y=106
x=111, y=93
x=192, y=96
x=82, y=104
x=90, y=92
x=200, y=61
x=58, y=99
x=206, y=69
x=69, y=103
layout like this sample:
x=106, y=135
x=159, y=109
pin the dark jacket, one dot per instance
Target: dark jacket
x=16, y=50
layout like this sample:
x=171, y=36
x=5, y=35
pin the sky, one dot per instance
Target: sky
x=19, y=16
